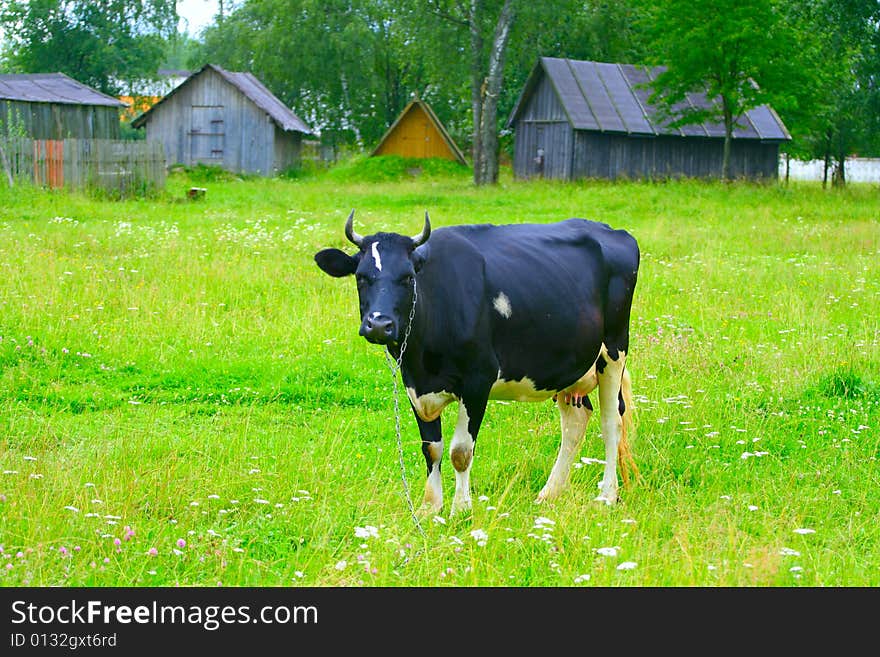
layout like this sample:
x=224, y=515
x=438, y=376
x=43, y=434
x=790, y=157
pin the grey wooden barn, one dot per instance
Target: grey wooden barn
x=226, y=119
x=55, y=106
x=583, y=119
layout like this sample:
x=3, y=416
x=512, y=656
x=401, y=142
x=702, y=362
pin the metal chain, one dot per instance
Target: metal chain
x=394, y=365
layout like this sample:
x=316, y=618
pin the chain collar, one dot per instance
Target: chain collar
x=394, y=365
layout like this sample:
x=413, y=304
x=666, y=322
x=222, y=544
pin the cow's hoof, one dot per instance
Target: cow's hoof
x=547, y=494
x=428, y=510
x=460, y=506
x=608, y=499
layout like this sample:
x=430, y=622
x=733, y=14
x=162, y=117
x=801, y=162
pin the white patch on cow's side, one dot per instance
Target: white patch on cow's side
x=461, y=452
x=522, y=390
x=502, y=305
x=376, y=257
x=430, y=405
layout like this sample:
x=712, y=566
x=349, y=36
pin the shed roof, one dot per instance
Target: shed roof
x=611, y=98
x=411, y=106
x=253, y=89
x=52, y=88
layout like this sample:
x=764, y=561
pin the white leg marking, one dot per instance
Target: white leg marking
x=376, y=257
x=574, y=424
x=461, y=452
x=502, y=305
x=612, y=424
x=433, y=501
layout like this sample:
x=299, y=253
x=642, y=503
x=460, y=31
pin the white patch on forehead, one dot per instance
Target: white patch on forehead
x=502, y=305
x=376, y=257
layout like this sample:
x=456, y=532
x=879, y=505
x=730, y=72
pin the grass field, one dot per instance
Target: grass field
x=184, y=398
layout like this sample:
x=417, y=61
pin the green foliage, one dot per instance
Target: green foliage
x=108, y=45
x=736, y=52
x=204, y=173
x=843, y=384
x=13, y=124
x=391, y=168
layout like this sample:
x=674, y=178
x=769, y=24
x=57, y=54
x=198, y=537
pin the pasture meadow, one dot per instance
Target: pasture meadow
x=184, y=399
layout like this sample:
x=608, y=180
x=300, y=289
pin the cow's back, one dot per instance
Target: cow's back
x=547, y=287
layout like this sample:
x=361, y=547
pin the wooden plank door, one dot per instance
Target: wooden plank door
x=207, y=134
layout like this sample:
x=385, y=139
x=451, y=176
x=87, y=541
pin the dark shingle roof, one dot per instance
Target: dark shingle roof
x=609, y=98
x=52, y=88
x=253, y=89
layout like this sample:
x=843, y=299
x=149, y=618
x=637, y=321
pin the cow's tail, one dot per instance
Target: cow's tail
x=628, y=469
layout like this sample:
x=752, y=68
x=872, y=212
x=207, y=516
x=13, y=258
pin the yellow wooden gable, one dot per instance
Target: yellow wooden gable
x=418, y=133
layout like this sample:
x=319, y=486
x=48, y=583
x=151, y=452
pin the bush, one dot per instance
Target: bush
x=394, y=168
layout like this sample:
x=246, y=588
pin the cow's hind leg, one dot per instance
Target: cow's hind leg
x=610, y=373
x=573, y=418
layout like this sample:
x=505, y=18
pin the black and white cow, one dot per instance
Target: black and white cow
x=521, y=312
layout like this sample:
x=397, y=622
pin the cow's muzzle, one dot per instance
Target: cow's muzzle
x=378, y=329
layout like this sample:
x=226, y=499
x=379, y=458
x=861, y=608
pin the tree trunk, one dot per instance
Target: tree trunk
x=728, y=135
x=476, y=86
x=787, y=168
x=839, y=177
x=486, y=89
x=827, y=161
x=492, y=89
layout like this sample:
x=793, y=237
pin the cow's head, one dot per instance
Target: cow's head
x=385, y=267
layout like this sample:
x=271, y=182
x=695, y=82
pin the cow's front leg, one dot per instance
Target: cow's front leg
x=432, y=448
x=470, y=415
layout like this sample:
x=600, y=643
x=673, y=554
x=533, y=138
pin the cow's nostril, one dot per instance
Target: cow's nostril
x=377, y=328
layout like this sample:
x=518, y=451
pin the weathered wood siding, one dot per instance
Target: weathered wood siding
x=125, y=167
x=209, y=121
x=543, y=125
x=614, y=156
x=58, y=120
x=288, y=149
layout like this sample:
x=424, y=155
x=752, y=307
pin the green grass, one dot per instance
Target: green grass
x=183, y=369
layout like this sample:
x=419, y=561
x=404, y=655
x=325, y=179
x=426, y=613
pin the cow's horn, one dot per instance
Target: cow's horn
x=422, y=237
x=352, y=236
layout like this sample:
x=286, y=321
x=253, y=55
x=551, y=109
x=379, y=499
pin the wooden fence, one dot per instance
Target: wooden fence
x=122, y=167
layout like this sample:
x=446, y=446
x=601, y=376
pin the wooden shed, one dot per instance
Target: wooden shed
x=418, y=133
x=583, y=119
x=227, y=119
x=55, y=106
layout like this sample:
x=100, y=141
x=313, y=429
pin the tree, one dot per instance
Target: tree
x=843, y=102
x=486, y=89
x=482, y=21
x=735, y=51
x=110, y=45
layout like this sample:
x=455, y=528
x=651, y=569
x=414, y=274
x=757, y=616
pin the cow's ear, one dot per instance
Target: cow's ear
x=336, y=263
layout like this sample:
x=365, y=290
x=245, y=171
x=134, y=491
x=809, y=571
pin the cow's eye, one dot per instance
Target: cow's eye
x=362, y=281
x=407, y=279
